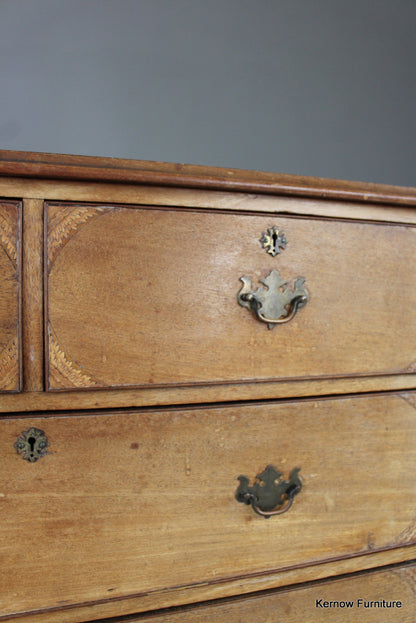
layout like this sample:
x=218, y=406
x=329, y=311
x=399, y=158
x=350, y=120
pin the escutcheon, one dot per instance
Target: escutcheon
x=278, y=302
x=32, y=444
x=273, y=241
x=270, y=495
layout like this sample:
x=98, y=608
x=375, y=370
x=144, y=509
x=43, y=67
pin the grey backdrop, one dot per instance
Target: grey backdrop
x=312, y=87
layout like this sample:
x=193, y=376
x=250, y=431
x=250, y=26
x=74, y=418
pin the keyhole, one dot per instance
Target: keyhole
x=31, y=441
x=275, y=237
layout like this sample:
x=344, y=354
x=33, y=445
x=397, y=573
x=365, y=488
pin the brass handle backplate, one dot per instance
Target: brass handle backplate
x=277, y=303
x=270, y=495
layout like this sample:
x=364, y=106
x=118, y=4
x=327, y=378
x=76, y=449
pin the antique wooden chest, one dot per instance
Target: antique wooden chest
x=207, y=394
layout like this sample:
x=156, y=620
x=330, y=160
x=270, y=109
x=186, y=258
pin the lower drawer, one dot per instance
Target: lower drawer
x=388, y=596
x=124, y=505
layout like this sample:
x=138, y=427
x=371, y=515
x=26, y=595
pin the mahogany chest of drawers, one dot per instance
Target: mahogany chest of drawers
x=176, y=340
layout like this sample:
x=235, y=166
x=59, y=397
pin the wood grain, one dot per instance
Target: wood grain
x=9, y=230
x=32, y=188
x=126, y=279
x=32, y=326
x=209, y=591
x=53, y=166
x=64, y=223
x=62, y=370
x=10, y=304
x=348, y=600
x=107, y=399
x=10, y=366
x=148, y=497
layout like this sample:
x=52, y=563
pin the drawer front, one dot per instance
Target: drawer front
x=123, y=504
x=141, y=297
x=10, y=355
x=388, y=596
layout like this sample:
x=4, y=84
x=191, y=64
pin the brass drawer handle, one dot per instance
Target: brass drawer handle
x=270, y=495
x=275, y=304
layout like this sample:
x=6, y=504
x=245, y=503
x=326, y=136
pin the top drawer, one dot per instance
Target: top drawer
x=10, y=358
x=140, y=296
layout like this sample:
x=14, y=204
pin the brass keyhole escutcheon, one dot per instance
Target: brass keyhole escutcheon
x=273, y=241
x=32, y=444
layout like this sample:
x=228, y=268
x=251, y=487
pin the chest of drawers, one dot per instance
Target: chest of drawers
x=175, y=340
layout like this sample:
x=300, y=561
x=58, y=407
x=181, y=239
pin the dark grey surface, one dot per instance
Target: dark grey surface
x=312, y=87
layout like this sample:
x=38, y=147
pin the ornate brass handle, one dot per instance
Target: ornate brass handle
x=270, y=495
x=275, y=304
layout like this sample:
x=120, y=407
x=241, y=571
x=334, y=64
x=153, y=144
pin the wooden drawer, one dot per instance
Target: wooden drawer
x=10, y=347
x=386, y=595
x=141, y=297
x=138, y=503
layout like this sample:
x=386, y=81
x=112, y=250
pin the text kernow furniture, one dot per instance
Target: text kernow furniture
x=208, y=405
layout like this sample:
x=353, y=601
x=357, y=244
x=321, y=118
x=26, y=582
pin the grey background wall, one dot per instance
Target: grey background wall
x=311, y=87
